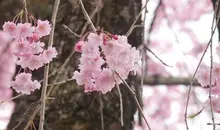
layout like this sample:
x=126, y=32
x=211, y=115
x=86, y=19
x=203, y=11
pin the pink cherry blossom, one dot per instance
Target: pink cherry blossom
x=216, y=87
x=90, y=86
x=203, y=77
x=78, y=77
x=43, y=28
x=216, y=70
x=105, y=82
x=37, y=47
x=25, y=29
x=49, y=54
x=29, y=50
x=33, y=38
x=23, y=83
x=11, y=29
x=101, y=56
x=216, y=104
x=78, y=46
x=20, y=47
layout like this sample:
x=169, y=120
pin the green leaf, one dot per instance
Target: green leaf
x=196, y=114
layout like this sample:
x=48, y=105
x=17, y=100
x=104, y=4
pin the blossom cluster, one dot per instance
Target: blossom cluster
x=101, y=55
x=29, y=51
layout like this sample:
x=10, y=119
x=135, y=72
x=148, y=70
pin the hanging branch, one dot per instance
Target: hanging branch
x=46, y=69
x=211, y=68
x=193, y=78
x=120, y=99
x=101, y=111
x=86, y=15
x=136, y=19
x=135, y=98
x=148, y=49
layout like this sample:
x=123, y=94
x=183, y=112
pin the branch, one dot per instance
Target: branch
x=15, y=97
x=152, y=81
x=159, y=80
x=28, y=117
x=46, y=71
x=148, y=49
x=192, y=80
x=91, y=17
x=136, y=19
x=66, y=27
x=101, y=111
x=87, y=16
x=210, y=78
x=135, y=98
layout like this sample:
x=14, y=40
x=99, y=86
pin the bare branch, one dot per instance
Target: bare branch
x=135, y=98
x=193, y=77
x=120, y=99
x=66, y=27
x=86, y=15
x=46, y=70
x=91, y=17
x=15, y=97
x=156, y=56
x=101, y=111
x=136, y=19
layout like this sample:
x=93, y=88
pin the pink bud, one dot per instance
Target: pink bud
x=78, y=46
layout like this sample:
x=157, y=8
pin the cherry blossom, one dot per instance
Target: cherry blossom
x=102, y=54
x=49, y=54
x=23, y=83
x=29, y=50
x=11, y=29
x=43, y=28
x=203, y=77
x=25, y=29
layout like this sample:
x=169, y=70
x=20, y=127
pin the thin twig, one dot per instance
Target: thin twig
x=46, y=70
x=32, y=117
x=66, y=27
x=210, y=80
x=121, y=104
x=29, y=115
x=210, y=88
x=139, y=89
x=15, y=97
x=156, y=56
x=59, y=71
x=61, y=82
x=134, y=27
x=135, y=98
x=86, y=15
x=91, y=17
x=101, y=111
x=156, y=12
x=25, y=10
x=120, y=99
x=136, y=19
x=193, y=77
